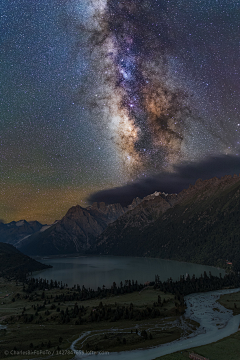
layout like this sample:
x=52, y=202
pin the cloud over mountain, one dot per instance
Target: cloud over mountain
x=171, y=182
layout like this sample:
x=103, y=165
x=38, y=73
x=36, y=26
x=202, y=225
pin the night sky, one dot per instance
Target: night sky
x=99, y=94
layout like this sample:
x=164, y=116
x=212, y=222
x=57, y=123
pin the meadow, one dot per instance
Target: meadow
x=45, y=323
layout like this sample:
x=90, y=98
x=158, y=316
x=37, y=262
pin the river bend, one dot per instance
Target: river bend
x=216, y=322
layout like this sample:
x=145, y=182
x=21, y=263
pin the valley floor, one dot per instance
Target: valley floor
x=42, y=325
x=38, y=326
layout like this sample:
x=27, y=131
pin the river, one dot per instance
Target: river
x=214, y=325
x=94, y=271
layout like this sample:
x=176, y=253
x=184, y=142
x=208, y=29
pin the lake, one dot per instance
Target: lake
x=94, y=271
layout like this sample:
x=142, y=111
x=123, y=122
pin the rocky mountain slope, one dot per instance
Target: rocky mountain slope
x=200, y=224
x=14, y=232
x=76, y=231
x=15, y=264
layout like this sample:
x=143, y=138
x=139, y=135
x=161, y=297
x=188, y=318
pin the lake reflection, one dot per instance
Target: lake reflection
x=94, y=271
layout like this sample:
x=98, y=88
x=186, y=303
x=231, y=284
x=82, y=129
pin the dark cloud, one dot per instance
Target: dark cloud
x=183, y=176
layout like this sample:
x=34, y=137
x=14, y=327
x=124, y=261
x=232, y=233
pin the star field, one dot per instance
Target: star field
x=98, y=93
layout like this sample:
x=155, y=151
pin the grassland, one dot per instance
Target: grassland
x=225, y=349
x=35, y=322
x=231, y=302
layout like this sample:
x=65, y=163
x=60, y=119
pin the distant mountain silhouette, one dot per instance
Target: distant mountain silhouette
x=14, y=232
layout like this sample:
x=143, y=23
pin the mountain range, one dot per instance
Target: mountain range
x=15, y=231
x=76, y=232
x=200, y=224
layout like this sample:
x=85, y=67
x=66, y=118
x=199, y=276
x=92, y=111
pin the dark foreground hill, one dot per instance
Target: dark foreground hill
x=200, y=224
x=15, y=264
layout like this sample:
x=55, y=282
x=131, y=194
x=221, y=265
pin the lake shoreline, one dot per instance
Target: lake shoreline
x=93, y=271
x=74, y=255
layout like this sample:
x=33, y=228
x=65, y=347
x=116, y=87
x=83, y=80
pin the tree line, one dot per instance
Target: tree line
x=188, y=285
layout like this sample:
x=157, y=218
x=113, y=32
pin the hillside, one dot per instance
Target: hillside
x=200, y=225
x=15, y=264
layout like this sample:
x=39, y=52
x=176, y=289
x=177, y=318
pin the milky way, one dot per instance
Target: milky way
x=98, y=93
x=149, y=110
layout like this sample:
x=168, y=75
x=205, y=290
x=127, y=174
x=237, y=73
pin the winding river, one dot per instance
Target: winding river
x=216, y=322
